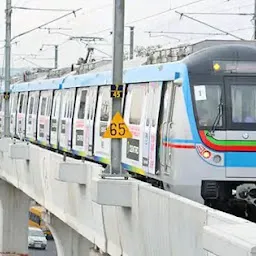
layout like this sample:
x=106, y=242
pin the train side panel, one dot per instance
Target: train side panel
x=83, y=121
x=65, y=129
x=31, y=116
x=13, y=113
x=141, y=115
x=44, y=117
x=102, y=121
x=55, y=119
x=21, y=115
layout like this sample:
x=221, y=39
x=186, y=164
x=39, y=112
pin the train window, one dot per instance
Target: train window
x=35, y=105
x=1, y=101
x=81, y=111
x=49, y=106
x=207, y=99
x=65, y=111
x=155, y=110
x=21, y=103
x=104, y=114
x=54, y=106
x=70, y=108
x=31, y=104
x=24, y=105
x=137, y=96
x=243, y=103
x=43, y=106
x=92, y=112
x=91, y=109
x=89, y=113
x=14, y=103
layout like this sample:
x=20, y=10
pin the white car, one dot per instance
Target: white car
x=36, y=238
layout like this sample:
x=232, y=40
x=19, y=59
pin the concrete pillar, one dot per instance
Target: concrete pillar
x=68, y=241
x=14, y=207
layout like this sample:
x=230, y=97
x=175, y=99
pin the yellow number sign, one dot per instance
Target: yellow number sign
x=117, y=129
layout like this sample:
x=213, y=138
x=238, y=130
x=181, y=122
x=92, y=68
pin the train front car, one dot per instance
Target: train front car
x=223, y=91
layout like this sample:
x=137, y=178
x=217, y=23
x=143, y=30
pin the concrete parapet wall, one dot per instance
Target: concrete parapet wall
x=157, y=223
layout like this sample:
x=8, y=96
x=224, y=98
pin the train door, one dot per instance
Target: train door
x=44, y=115
x=103, y=116
x=93, y=91
x=1, y=114
x=166, y=128
x=13, y=112
x=80, y=136
x=135, y=119
x=32, y=115
x=152, y=102
x=65, y=128
x=21, y=115
x=55, y=119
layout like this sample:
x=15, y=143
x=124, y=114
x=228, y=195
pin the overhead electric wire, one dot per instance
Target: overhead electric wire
x=183, y=33
x=208, y=25
x=47, y=23
x=41, y=9
x=102, y=52
x=220, y=13
x=31, y=62
x=151, y=16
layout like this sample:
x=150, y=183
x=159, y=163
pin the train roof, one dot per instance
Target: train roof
x=147, y=73
x=47, y=84
x=202, y=60
x=199, y=61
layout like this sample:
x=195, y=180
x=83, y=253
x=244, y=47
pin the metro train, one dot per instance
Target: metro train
x=193, y=122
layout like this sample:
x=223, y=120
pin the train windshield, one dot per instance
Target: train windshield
x=207, y=102
x=243, y=101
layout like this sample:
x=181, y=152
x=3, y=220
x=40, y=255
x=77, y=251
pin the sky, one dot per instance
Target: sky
x=96, y=19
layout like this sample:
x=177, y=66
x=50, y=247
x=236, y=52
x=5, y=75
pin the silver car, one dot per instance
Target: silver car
x=36, y=238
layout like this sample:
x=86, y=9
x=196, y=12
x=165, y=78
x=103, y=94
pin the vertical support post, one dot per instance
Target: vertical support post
x=56, y=56
x=117, y=75
x=132, y=42
x=7, y=67
x=254, y=19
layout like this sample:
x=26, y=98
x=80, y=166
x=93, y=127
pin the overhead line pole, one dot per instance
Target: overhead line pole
x=132, y=41
x=7, y=68
x=56, y=53
x=117, y=76
x=56, y=56
x=254, y=19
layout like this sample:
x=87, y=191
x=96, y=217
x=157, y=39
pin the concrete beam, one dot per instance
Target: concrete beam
x=112, y=192
x=19, y=151
x=4, y=144
x=73, y=172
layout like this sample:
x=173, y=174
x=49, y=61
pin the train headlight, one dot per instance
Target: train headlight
x=217, y=158
x=206, y=154
x=216, y=67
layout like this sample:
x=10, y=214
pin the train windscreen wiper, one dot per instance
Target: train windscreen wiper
x=217, y=119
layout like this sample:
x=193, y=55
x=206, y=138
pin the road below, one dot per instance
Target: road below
x=50, y=250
